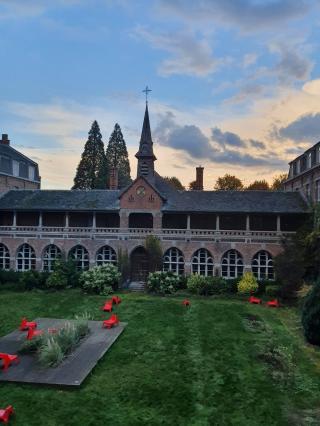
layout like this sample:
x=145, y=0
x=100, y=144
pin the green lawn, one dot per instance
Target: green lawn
x=206, y=365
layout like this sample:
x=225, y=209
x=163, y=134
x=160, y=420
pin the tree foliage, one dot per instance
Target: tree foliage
x=174, y=182
x=228, y=183
x=277, y=184
x=311, y=315
x=192, y=185
x=117, y=156
x=259, y=185
x=154, y=250
x=92, y=167
x=248, y=283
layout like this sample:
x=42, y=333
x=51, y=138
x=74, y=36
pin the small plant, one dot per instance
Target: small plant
x=163, y=282
x=272, y=290
x=100, y=279
x=248, y=284
x=29, y=346
x=50, y=352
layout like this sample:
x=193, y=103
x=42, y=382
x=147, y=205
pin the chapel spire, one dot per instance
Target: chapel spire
x=145, y=155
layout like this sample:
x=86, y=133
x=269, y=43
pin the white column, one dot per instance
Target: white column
x=40, y=220
x=188, y=221
x=67, y=220
x=94, y=220
x=217, y=223
x=247, y=223
x=278, y=223
x=14, y=223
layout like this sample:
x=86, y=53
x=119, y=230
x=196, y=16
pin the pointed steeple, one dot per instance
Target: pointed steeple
x=145, y=154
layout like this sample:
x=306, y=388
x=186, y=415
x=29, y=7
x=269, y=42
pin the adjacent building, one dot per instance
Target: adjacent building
x=206, y=232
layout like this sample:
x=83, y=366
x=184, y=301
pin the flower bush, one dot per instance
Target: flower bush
x=248, y=283
x=163, y=282
x=100, y=279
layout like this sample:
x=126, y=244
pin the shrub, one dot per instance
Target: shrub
x=100, y=279
x=29, y=346
x=154, y=250
x=64, y=275
x=124, y=266
x=50, y=353
x=32, y=279
x=311, y=315
x=163, y=282
x=248, y=283
x=206, y=286
x=272, y=290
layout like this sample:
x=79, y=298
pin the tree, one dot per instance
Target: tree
x=117, y=156
x=92, y=163
x=228, y=183
x=153, y=248
x=259, y=185
x=193, y=185
x=277, y=184
x=311, y=315
x=174, y=182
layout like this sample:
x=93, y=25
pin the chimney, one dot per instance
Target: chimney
x=199, y=178
x=5, y=140
x=113, y=181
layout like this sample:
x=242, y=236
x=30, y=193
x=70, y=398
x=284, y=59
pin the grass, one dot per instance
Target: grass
x=208, y=365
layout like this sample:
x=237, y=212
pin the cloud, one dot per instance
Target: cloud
x=247, y=92
x=312, y=87
x=257, y=144
x=195, y=145
x=189, y=55
x=249, y=59
x=15, y=9
x=249, y=15
x=304, y=128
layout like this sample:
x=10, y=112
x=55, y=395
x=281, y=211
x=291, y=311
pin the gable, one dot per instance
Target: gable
x=140, y=196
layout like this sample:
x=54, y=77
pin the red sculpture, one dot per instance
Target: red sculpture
x=113, y=320
x=255, y=300
x=8, y=359
x=273, y=303
x=27, y=324
x=107, y=306
x=33, y=333
x=116, y=300
x=6, y=413
x=186, y=302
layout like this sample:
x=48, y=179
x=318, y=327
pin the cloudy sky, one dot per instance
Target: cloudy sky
x=235, y=83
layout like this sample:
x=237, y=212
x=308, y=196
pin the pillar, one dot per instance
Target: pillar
x=188, y=221
x=278, y=223
x=14, y=223
x=217, y=223
x=247, y=223
x=67, y=220
x=94, y=220
x=124, y=220
x=157, y=220
x=40, y=220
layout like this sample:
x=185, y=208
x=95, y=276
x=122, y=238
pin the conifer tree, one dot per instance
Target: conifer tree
x=92, y=169
x=117, y=156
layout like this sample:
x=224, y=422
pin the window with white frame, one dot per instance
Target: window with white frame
x=106, y=254
x=173, y=261
x=309, y=160
x=26, y=258
x=202, y=262
x=80, y=256
x=262, y=266
x=50, y=255
x=232, y=264
x=4, y=257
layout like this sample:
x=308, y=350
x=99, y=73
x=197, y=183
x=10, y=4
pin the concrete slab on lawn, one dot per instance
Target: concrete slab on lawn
x=73, y=369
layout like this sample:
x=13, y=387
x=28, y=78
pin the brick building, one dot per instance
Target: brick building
x=304, y=174
x=209, y=232
x=16, y=170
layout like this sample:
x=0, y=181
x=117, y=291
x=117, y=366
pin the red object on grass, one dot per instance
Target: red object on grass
x=6, y=413
x=255, y=300
x=116, y=300
x=25, y=324
x=273, y=303
x=113, y=320
x=107, y=306
x=33, y=333
x=186, y=302
x=8, y=359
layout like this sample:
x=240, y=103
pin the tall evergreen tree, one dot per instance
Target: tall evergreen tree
x=117, y=156
x=92, y=169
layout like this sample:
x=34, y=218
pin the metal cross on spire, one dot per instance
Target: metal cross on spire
x=146, y=91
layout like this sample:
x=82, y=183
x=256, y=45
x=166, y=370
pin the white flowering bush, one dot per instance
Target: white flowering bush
x=163, y=282
x=100, y=279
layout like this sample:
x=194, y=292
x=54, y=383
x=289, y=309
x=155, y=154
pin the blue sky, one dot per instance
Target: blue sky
x=235, y=83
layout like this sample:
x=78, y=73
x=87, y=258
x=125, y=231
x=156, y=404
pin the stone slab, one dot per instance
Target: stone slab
x=73, y=369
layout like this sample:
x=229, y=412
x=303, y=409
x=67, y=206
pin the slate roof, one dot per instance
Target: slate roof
x=20, y=199
x=146, y=144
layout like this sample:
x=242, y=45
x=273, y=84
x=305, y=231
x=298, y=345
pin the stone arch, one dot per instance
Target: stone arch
x=25, y=258
x=139, y=264
x=106, y=254
x=50, y=254
x=232, y=264
x=4, y=257
x=262, y=265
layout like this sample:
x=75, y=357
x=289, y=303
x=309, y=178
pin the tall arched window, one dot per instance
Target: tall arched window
x=106, y=254
x=262, y=266
x=80, y=256
x=26, y=258
x=173, y=260
x=50, y=255
x=232, y=264
x=202, y=262
x=4, y=257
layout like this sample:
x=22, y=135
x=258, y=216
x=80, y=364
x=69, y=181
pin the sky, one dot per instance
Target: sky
x=235, y=83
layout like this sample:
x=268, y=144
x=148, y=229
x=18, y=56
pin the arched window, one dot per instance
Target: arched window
x=202, y=262
x=106, y=254
x=50, y=254
x=232, y=264
x=262, y=266
x=4, y=257
x=173, y=261
x=80, y=256
x=26, y=258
